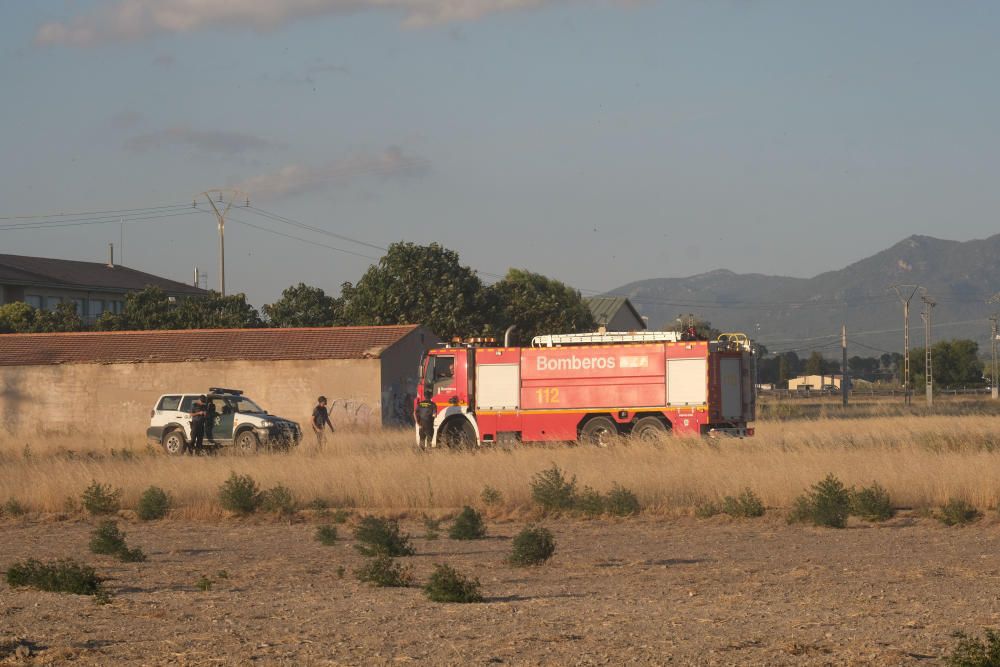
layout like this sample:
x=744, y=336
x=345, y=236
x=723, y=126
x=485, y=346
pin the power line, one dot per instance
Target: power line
x=117, y=212
x=101, y=221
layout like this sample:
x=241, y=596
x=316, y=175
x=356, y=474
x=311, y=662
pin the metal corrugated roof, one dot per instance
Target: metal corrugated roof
x=604, y=308
x=123, y=347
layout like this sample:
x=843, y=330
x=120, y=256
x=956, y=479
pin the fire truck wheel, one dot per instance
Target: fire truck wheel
x=598, y=431
x=649, y=429
x=459, y=434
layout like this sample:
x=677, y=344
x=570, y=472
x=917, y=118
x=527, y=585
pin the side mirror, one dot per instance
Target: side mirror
x=453, y=400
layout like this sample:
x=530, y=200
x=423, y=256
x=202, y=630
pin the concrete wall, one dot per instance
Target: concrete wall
x=115, y=400
x=400, y=374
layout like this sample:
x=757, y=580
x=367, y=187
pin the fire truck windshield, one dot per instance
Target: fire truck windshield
x=440, y=373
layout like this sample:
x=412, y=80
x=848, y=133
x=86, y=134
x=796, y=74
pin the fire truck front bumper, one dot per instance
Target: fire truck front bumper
x=727, y=431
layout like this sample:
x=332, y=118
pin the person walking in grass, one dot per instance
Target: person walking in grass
x=320, y=420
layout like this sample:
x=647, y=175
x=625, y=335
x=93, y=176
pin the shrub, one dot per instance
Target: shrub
x=384, y=572
x=828, y=503
x=622, y=502
x=108, y=539
x=973, y=652
x=532, y=546
x=279, y=500
x=14, y=508
x=491, y=496
x=447, y=585
x=340, y=571
x=958, y=513
x=745, y=505
x=432, y=526
x=100, y=499
x=468, y=525
x=552, y=491
x=240, y=494
x=341, y=515
x=706, y=509
x=381, y=537
x=204, y=584
x=589, y=502
x=154, y=503
x=872, y=503
x=61, y=576
x=326, y=535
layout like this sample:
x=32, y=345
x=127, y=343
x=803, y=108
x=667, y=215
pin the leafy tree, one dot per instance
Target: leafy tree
x=956, y=364
x=303, y=306
x=152, y=309
x=415, y=284
x=19, y=317
x=537, y=305
x=815, y=364
x=864, y=368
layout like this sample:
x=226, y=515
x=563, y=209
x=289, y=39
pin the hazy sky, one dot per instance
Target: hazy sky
x=598, y=142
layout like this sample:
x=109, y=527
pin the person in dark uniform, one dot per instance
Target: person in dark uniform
x=199, y=411
x=424, y=414
x=210, y=416
x=320, y=420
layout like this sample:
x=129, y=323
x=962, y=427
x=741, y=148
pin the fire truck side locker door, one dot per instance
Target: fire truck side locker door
x=731, y=384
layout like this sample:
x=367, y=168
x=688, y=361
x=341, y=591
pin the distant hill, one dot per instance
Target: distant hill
x=795, y=313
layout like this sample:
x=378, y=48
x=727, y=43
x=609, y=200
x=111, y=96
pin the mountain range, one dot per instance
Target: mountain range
x=804, y=314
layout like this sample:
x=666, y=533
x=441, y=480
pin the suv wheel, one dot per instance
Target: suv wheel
x=174, y=443
x=246, y=443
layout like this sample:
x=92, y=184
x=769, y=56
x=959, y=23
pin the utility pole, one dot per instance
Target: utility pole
x=905, y=293
x=843, y=365
x=227, y=197
x=994, y=332
x=929, y=304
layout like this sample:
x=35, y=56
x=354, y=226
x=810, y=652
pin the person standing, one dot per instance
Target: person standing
x=425, y=412
x=199, y=411
x=320, y=420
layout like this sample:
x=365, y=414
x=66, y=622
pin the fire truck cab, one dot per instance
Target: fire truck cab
x=589, y=388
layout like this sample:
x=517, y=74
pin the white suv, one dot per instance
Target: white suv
x=238, y=422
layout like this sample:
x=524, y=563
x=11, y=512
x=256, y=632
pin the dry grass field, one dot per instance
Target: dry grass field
x=922, y=461
x=663, y=587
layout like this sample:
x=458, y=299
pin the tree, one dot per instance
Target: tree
x=538, y=305
x=304, y=306
x=956, y=364
x=19, y=317
x=815, y=364
x=152, y=309
x=414, y=284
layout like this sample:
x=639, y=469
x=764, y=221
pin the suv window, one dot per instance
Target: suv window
x=169, y=403
x=187, y=403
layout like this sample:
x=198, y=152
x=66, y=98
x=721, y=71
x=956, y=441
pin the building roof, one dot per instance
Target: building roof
x=604, y=308
x=132, y=347
x=67, y=273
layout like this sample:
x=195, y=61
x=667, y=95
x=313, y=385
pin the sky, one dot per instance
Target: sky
x=595, y=141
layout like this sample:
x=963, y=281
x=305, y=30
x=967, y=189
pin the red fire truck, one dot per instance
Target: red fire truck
x=589, y=388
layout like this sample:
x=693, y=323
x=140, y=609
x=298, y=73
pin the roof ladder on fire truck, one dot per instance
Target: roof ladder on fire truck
x=598, y=338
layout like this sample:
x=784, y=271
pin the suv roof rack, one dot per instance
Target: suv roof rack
x=606, y=337
x=220, y=390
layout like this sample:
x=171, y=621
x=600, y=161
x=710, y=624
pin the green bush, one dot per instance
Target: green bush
x=101, y=499
x=204, y=584
x=872, y=503
x=958, y=513
x=240, y=494
x=381, y=537
x=341, y=515
x=61, y=576
x=552, y=491
x=589, y=502
x=828, y=503
x=154, y=503
x=108, y=539
x=621, y=501
x=974, y=652
x=532, y=546
x=706, y=509
x=432, y=527
x=468, y=525
x=326, y=535
x=447, y=585
x=746, y=505
x=384, y=572
x=490, y=496
x=14, y=508
x=278, y=500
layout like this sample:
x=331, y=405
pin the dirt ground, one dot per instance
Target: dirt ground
x=637, y=591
